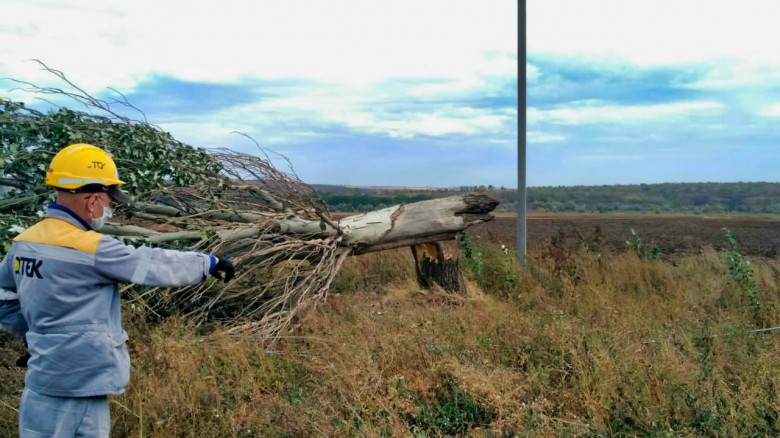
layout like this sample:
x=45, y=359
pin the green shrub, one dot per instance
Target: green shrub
x=453, y=411
x=494, y=267
x=472, y=254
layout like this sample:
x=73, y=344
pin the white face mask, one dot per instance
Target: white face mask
x=97, y=223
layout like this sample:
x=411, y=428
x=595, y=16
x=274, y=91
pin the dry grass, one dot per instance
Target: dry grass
x=581, y=344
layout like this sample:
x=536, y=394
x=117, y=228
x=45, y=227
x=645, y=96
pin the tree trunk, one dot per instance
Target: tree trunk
x=420, y=222
x=433, y=267
x=393, y=227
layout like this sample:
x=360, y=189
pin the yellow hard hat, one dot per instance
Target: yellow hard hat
x=80, y=165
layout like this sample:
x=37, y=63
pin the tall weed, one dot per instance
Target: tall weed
x=742, y=274
x=634, y=242
x=492, y=266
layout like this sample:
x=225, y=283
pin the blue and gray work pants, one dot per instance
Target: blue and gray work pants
x=59, y=417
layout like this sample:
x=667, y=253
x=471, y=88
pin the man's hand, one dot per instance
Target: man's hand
x=223, y=265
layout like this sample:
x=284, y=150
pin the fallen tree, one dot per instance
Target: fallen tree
x=277, y=230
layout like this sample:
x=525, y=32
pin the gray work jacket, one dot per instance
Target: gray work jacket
x=65, y=276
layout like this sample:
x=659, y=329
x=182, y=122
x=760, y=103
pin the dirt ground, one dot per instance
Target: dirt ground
x=673, y=234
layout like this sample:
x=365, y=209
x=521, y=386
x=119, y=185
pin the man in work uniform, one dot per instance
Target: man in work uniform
x=65, y=275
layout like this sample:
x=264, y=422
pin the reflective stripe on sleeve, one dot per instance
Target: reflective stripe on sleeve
x=144, y=263
x=7, y=295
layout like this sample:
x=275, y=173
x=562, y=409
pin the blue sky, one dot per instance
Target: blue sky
x=423, y=93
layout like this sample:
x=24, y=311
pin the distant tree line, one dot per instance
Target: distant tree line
x=679, y=197
x=753, y=197
x=361, y=200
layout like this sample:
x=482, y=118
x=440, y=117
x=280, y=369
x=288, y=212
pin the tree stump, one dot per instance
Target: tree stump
x=434, y=267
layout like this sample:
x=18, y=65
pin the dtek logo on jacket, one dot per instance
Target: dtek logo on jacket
x=28, y=267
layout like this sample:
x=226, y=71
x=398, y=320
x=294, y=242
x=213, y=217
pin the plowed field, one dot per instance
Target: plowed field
x=757, y=236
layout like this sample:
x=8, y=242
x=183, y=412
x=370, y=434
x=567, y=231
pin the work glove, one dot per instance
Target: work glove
x=223, y=265
x=22, y=361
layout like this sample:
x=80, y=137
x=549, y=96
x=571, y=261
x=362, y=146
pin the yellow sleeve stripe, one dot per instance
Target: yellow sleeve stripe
x=57, y=232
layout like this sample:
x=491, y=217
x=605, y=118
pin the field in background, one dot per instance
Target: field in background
x=672, y=233
x=592, y=339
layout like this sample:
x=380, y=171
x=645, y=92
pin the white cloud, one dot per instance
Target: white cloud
x=430, y=124
x=463, y=120
x=503, y=65
x=737, y=75
x=588, y=112
x=736, y=40
x=772, y=110
x=213, y=133
x=351, y=43
x=341, y=48
x=531, y=72
x=544, y=137
x=281, y=120
x=369, y=68
x=656, y=32
x=608, y=157
x=432, y=89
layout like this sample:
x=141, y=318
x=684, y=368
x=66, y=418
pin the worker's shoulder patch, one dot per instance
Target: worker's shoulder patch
x=57, y=232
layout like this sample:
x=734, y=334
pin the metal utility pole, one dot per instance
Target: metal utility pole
x=521, y=128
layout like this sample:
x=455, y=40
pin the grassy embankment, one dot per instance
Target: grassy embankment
x=579, y=344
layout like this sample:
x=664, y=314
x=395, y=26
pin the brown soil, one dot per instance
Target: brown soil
x=756, y=236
